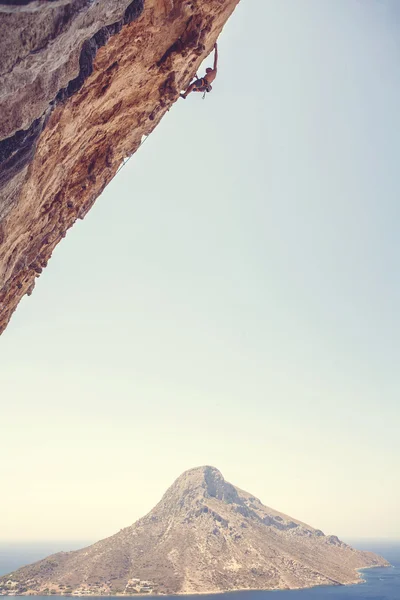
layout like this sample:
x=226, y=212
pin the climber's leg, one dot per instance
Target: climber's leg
x=196, y=85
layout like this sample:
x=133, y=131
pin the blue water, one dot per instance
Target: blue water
x=380, y=584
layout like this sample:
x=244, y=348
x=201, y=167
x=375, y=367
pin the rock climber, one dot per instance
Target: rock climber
x=204, y=83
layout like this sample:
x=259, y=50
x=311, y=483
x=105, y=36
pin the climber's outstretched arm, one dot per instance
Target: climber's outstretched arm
x=215, y=56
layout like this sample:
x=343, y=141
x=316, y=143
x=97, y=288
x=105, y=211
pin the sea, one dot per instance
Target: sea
x=380, y=584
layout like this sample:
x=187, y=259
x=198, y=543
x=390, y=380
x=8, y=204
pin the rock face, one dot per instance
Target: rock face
x=81, y=83
x=205, y=535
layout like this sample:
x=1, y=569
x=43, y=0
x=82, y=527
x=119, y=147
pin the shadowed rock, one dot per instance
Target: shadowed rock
x=81, y=83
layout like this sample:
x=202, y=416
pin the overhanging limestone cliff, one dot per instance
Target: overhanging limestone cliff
x=81, y=83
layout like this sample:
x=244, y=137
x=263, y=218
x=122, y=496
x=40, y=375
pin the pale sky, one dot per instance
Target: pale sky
x=232, y=299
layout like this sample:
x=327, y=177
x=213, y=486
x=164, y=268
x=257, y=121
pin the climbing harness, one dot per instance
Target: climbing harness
x=203, y=86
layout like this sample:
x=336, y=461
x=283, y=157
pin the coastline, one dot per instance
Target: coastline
x=358, y=580
x=359, y=571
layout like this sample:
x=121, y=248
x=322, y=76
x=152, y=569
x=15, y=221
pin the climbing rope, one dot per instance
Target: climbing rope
x=129, y=157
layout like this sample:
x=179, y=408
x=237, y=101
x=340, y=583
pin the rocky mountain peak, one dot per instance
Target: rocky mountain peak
x=205, y=535
x=194, y=487
x=217, y=487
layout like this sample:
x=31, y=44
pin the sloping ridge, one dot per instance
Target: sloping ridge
x=205, y=535
x=81, y=83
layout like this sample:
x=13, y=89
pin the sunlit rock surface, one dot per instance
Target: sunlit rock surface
x=81, y=82
x=205, y=535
